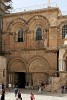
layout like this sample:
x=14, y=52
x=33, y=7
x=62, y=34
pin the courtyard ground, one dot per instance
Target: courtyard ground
x=9, y=95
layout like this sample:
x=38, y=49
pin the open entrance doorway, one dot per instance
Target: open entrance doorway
x=20, y=79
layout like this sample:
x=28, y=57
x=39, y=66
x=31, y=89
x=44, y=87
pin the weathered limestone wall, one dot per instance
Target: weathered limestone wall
x=53, y=38
x=63, y=78
x=3, y=64
x=29, y=21
x=55, y=85
x=32, y=58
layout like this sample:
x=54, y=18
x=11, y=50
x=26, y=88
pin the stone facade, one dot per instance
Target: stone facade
x=3, y=67
x=33, y=60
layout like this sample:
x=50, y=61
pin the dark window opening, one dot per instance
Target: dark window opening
x=20, y=35
x=38, y=34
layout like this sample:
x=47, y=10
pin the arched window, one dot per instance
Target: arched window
x=64, y=31
x=20, y=35
x=39, y=34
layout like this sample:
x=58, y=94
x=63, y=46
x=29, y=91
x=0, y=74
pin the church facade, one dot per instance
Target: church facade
x=34, y=46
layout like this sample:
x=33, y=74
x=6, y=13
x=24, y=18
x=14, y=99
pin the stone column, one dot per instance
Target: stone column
x=30, y=79
x=27, y=78
x=13, y=80
x=9, y=78
x=62, y=66
x=46, y=38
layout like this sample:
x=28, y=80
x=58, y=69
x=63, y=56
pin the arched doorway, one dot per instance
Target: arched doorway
x=38, y=71
x=17, y=73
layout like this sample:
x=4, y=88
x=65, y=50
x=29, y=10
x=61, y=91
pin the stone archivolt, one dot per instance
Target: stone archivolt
x=17, y=65
x=38, y=65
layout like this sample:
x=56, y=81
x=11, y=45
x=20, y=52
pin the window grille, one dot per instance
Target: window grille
x=64, y=31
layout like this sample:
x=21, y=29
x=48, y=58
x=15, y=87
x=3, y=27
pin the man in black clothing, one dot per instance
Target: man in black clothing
x=3, y=94
x=3, y=86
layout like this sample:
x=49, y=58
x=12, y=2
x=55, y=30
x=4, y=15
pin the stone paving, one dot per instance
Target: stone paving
x=44, y=96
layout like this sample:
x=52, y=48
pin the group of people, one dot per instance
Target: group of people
x=16, y=91
x=17, y=94
x=41, y=87
x=63, y=89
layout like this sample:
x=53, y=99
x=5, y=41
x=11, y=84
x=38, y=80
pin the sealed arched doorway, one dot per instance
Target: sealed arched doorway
x=17, y=73
x=38, y=71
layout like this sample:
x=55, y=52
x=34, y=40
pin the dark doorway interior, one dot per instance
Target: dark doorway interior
x=20, y=79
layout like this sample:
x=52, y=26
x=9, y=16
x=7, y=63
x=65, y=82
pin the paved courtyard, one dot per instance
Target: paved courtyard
x=43, y=96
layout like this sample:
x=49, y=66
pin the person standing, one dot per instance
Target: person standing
x=19, y=96
x=16, y=91
x=32, y=96
x=62, y=87
x=3, y=94
x=9, y=86
x=40, y=90
x=3, y=87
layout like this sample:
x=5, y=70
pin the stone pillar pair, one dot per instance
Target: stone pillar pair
x=62, y=65
x=62, y=72
x=11, y=79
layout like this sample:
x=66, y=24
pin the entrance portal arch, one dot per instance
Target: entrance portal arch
x=17, y=71
x=38, y=69
x=17, y=65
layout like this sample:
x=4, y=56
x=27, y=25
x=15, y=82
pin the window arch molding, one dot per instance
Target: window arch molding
x=63, y=30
